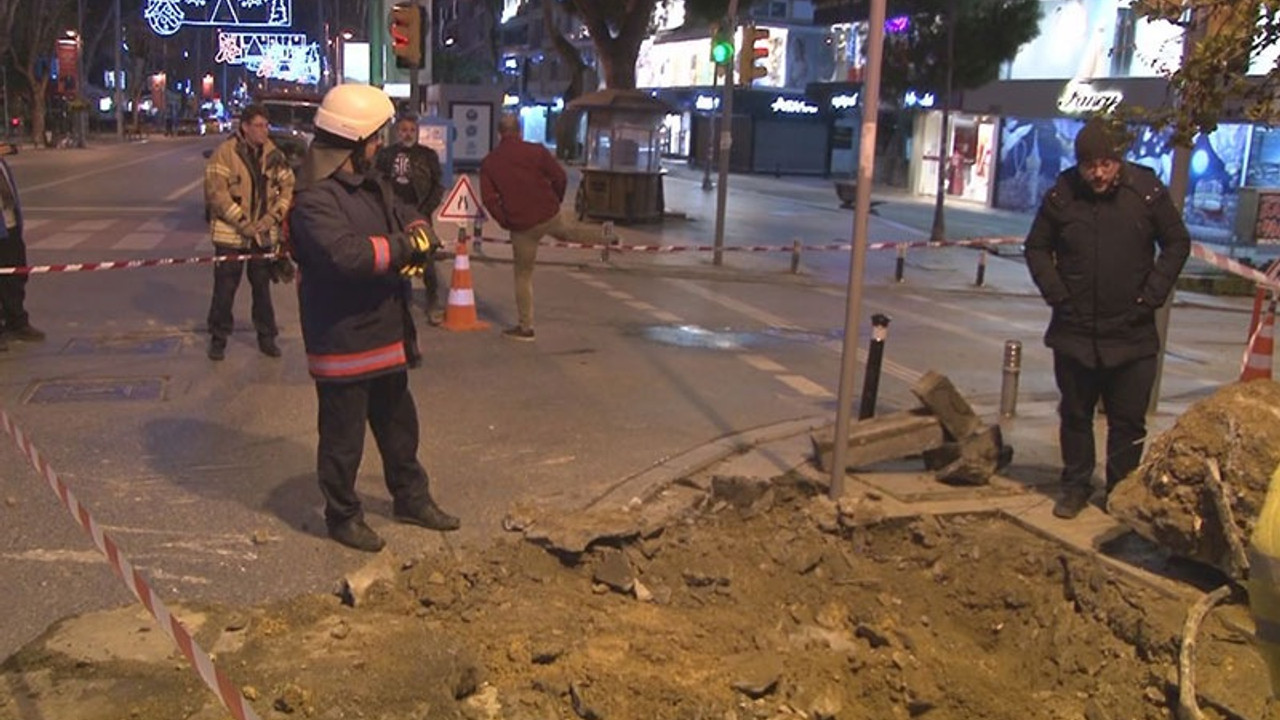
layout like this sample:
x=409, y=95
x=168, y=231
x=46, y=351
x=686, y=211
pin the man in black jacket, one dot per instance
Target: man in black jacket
x=1092, y=251
x=414, y=171
x=355, y=244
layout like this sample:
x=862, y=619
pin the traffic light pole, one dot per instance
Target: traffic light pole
x=726, y=141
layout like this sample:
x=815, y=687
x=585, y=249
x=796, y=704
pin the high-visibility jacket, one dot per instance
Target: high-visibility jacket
x=1264, y=580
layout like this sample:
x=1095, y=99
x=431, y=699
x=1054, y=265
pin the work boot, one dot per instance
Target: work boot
x=26, y=333
x=519, y=333
x=217, y=349
x=267, y=345
x=1072, y=501
x=354, y=533
x=428, y=515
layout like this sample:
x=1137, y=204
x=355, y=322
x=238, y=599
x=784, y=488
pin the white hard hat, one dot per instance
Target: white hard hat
x=354, y=112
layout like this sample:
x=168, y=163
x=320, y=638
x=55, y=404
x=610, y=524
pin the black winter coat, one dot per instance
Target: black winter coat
x=347, y=236
x=1094, y=259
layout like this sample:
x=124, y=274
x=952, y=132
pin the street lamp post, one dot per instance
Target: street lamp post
x=118, y=95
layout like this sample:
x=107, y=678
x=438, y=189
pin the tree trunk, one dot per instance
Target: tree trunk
x=939, y=231
x=38, y=117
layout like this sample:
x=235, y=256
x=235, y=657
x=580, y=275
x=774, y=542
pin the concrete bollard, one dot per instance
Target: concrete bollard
x=900, y=266
x=875, y=357
x=795, y=256
x=477, y=244
x=982, y=267
x=1009, y=382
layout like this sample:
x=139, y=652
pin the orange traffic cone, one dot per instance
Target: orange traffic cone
x=460, y=313
x=1257, y=358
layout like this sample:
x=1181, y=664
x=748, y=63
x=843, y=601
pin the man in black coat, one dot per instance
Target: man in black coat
x=415, y=173
x=1092, y=251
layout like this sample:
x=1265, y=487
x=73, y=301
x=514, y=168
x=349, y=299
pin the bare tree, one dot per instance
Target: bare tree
x=143, y=47
x=8, y=11
x=617, y=28
x=34, y=32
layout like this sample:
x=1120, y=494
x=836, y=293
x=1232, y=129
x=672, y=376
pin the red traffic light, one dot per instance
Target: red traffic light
x=406, y=34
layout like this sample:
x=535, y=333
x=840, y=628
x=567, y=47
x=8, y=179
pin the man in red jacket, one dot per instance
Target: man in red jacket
x=522, y=186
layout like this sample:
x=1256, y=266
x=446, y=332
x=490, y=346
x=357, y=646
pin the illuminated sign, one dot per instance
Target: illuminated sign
x=706, y=103
x=287, y=57
x=844, y=101
x=1079, y=97
x=914, y=99
x=787, y=106
x=166, y=17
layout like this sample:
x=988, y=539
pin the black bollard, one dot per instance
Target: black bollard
x=982, y=267
x=875, y=356
x=900, y=266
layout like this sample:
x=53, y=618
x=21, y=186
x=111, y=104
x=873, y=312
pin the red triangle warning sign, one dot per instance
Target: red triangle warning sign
x=462, y=203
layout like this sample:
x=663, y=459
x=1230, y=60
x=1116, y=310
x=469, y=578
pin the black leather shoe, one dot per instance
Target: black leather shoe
x=217, y=349
x=26, y=333
x=1073, y=500
x=428, y=515
x=268, y=347
x=354, y=533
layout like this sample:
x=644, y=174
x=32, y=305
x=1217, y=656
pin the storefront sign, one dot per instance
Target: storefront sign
x=787, y=106
x=1266, y=231
x=844, y=101
x=914, y=99
x=1080, y=97
x=706, y=103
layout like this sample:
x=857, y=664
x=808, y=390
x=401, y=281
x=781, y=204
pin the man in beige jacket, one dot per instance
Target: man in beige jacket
x=248, y=188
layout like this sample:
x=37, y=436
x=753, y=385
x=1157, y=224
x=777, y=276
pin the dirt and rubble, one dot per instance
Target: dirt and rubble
x=765, y=601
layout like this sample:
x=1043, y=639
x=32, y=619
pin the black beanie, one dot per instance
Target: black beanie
x=1097, y=141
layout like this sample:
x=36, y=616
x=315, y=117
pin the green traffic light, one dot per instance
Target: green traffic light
x=721, y=50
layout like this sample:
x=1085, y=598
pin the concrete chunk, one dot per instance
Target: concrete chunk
x=942, y=399
x=886, y=437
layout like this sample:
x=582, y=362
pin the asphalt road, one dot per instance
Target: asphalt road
x=203, y=472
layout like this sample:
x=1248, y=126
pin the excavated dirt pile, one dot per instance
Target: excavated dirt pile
x=1201, y=487
x=778, y=607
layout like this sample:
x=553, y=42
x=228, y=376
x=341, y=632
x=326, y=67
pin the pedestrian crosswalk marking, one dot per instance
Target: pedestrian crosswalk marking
x=139, y=241
x=158, y=225
x=32, y=224
x=91, y=225
x=61, y=240
x=804, y=386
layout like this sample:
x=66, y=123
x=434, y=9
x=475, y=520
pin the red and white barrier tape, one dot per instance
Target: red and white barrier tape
x=612, y=247
x=128, y=264
x=200, y=661
x=1235, y=267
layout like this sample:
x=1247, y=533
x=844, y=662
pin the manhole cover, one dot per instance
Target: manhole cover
x=96, y=390
x=124, y=345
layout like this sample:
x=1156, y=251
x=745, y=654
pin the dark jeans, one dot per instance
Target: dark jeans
x=13, y=288
x=1125, y=391
x=226, y=280
x=386, y=404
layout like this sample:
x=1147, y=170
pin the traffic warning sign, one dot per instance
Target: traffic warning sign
x=462, y=203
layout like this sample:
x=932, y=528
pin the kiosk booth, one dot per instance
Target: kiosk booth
x=619, y=146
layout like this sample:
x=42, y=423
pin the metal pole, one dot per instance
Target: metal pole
x=429, y=46
x=82, y=114
x=900, y=264
x=118, y=97
x=981, y=279
x=857, y=267
x=939, y=231
x=726, y=138
x=711, y=133
x=1009, y=384
x=875, y=358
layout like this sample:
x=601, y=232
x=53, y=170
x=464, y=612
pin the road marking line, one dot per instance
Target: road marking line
x=618, y=295
x=640, y=305
x=158, y=225
x=763, y=316
x=184, y=190
x=667, y=317
x=761, y=362
x=41, y=555
x=139, y=241
x=100, y=209
x=108, y=168
x=804, y=386
x=29, y=224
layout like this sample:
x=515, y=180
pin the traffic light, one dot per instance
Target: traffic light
x=406, y=35
x=722, y=43
x=748, y=70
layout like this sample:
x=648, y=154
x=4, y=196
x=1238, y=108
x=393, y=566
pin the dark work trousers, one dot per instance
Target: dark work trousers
x=431, y=283
x=1125, y=391
x=226, y=280
x=386, y=404
x=13, y=288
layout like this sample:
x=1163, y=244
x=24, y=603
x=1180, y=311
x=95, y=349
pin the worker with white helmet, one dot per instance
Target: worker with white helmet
x=355, y=243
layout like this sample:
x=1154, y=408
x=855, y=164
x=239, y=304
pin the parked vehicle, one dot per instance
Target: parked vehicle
x=293, y=123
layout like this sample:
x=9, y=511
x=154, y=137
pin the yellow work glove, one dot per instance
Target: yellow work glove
x=422, y=243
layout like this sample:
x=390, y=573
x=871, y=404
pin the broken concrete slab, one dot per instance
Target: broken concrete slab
x=895, y=435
